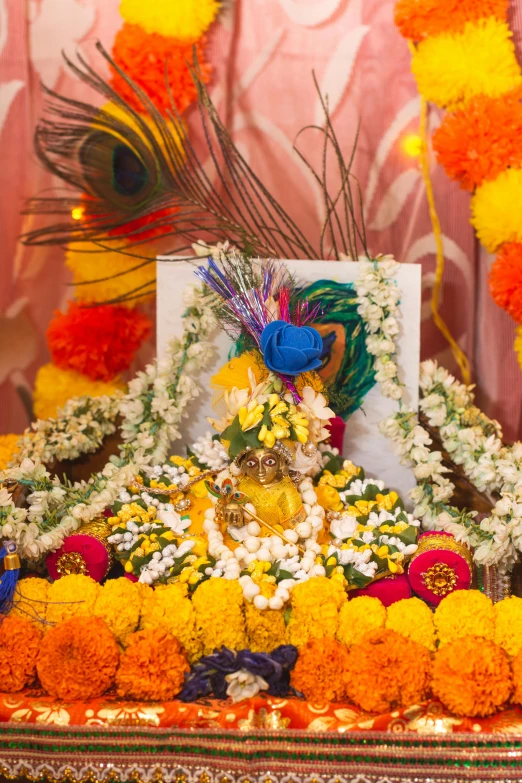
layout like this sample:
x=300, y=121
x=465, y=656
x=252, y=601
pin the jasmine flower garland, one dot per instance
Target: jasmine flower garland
x=378, y=296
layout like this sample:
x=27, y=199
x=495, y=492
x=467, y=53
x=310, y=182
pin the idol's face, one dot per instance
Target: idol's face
x=262, y=465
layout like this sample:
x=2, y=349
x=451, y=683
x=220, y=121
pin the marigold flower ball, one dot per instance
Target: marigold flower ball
x=78, y=659
x=508, y=624
x=505, y=280
x=152, y=667
x=266, y=629
x=220, y=618
x=99, y=342
x=315, y=610
x=19, y=645
x=464, y=613
x=8, y=449
x=71, y=596
x=119, y=604
x=318, y=673
x=418, y=20
x=169, y=608
x=516, y=666
x=30, y=600
x=359, y=616
x=413, y=619
x=386, y=671
x=472, y=677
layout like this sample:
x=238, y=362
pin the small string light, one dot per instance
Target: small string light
x=412, y=145
x=77, y=213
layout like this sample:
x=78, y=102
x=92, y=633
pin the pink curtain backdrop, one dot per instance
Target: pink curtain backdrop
x=263, y=52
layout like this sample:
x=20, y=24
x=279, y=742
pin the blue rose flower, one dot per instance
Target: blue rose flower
x=291, y=350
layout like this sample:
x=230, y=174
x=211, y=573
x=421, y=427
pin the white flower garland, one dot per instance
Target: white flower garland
x=158, y=397
x=378, y=297
x=79, y=427
x=55, y=510
x=151, y=411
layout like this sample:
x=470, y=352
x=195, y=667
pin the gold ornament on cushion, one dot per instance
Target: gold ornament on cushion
x=441, y=579
x=78, y=556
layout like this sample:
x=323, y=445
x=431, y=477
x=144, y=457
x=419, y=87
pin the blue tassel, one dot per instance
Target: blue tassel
x=9, y=579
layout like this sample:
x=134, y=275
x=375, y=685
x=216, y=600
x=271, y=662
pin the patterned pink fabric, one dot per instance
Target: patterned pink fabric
x=264, y=52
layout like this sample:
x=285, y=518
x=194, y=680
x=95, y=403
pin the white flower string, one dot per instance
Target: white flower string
x=158, y=397
x=378, y=298
x=151, y=411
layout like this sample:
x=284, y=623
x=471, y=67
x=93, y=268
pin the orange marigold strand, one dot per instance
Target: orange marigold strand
x=143, y=57
x=99, y=342
x=481, y=141
x=418, y=19
x=505, y=280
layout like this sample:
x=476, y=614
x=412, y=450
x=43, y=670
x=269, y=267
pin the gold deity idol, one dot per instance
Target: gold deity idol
x=266, y=483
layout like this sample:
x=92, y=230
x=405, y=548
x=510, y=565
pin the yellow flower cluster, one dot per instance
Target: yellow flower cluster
x=220, y=619
x=71, y=596
x=508, y=624
x=119, y=604
x=494, y=213
x=358, y=617
x=86, y=262
x=315, y=610
x=54, y=386
x=8, y=449
x=265, y=630
x=451, y=69
x=340, y=479
x=464, y=613
x=30, y=599
x=413, y=619
x=183, y=19
x=168, y=607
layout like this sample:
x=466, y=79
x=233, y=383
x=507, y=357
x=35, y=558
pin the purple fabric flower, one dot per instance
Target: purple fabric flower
x=208, y=676
x=291, y=350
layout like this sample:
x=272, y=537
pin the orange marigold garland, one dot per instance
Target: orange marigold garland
x=78, y=659
x=418, y=19
x=386, y=671
x=143, y=56
x=318, y=673
x=152, y=667
x=472, y=676
x=505, y=280
x=99, y=342
x=20, y=641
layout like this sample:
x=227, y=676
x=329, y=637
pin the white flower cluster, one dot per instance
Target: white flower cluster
x=54, y=511
x=378, y=297
x=475, y=443
x=210, y=452
x=78, y=428
x=158, y=397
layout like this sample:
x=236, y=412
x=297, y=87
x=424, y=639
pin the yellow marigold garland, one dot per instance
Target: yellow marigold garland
x=508, y=624
x=168, y=607
x=119, y=604
x=266, y=630
x=184, y=19
x=495, y=212
x=71, y=596
x=464, y=613
x=31, y=599
x=87, y=265
x=358, y=617
x=54, y=386
x=467, y=54
x=8, y=449
x=220, y=618
x=315, y=610
x=452, y=68
x=413, y=619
